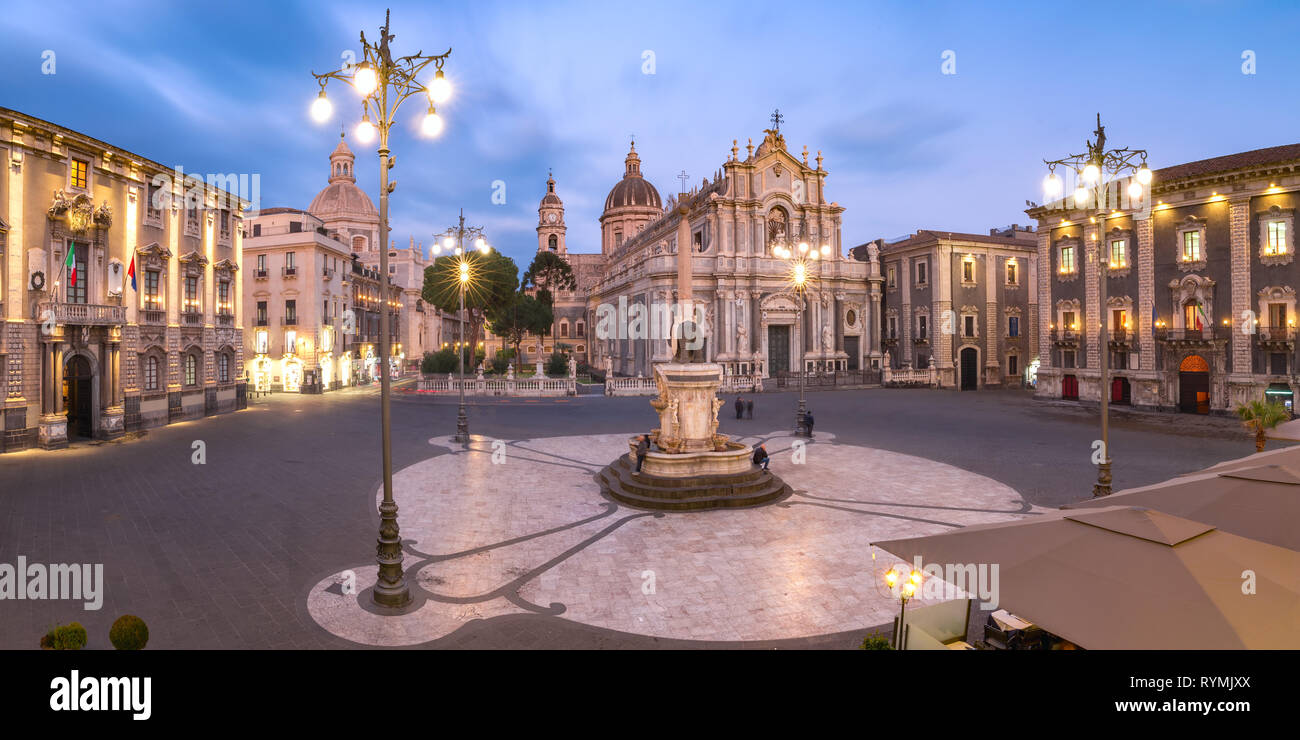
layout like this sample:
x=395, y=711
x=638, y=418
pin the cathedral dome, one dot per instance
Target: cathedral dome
x=342, y=199
x=551, y=199
x=633, y=190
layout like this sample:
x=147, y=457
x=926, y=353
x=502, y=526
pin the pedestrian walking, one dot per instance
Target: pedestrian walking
x=642, y=447
x=740, y=407
x=749, y=408
x=808, y=422
x=760, y=457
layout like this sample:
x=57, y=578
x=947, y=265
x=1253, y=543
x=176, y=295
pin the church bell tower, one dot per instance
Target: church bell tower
x=550, y=221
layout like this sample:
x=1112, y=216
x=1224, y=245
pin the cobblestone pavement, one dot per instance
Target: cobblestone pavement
x=223, y=555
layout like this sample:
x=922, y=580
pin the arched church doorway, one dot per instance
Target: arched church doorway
x=77, y=389
x=1194, y=385
x=970, y=367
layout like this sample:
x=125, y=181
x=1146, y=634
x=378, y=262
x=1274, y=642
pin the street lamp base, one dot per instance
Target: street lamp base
x=390, y=589
x=1102, y=488
x=462, y=426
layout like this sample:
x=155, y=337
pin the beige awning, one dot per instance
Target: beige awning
x=1124, y=577
x=1260, y=502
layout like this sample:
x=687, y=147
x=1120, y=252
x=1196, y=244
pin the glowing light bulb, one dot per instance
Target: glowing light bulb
x=321, y=108
x=440, y=89
x=1091, y=174
x=365, y=131
x=1135, y=190
x=1080, y=196
x=432, y=124
x=1144, y=175
x=1052, y=185
x=364, y=80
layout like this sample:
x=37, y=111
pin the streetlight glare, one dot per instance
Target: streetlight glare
x=448, y=242
x=321, y=108
x=1091, y=174
x=365, y=131
x=440, y=89
x=1144, y=175
x=1135, y=190
x=364, y=81
x=1052, y=185
x=432, y=124
x=1080, y=196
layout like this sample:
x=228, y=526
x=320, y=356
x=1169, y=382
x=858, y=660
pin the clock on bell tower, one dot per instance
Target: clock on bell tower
x=550, y=220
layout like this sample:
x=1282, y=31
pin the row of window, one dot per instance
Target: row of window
x=151, y=366
x=1190, y=248
x=191, y=294
x=1011, y=273
x=969, y=326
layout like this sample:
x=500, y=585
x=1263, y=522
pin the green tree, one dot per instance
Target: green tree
x=548, y=272
x=491, y=285
x=524, y=315
x=1260, y=416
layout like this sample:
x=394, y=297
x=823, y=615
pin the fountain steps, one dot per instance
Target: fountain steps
x=753, y=488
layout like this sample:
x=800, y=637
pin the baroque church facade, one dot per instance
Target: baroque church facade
x=741, y=288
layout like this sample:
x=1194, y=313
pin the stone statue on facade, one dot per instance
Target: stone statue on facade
x=510, y=371
x=573, y=367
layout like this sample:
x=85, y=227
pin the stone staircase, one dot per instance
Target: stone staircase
x=753, y=488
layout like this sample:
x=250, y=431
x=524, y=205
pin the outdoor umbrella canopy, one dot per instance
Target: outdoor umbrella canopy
x=1286, y=456
x=1260, y=502
x=1127, y=578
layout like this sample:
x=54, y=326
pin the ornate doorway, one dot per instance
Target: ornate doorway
x=78, y=388
x=1194, y=385
x=778, y=349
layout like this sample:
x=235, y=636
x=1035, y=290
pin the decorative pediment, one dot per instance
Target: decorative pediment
x=1277, y=293
x=1191, y=222
x=1119, y=301
x=226, y=266
x=779, y=302
x=80, y=212
x=154, y=255
x=1071, y=304
x=1192, y=287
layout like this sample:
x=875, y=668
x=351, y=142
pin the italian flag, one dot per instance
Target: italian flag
x=70, y=265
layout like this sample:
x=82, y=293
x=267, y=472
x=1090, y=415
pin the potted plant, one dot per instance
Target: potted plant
x=1260, y=416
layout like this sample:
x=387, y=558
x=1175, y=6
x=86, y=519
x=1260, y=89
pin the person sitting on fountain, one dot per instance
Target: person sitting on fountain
x=642, y=447
x=760, y=457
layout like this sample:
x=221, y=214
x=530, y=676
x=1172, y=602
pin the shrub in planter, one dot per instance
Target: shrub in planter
x=558, y=364
x=439, y=363
x=65, y=637
x=876, y=641
x=129, y=632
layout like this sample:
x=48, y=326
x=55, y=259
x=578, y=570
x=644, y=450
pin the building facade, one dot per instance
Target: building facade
x=966, y=302
x=296, y=299
x=1201, y=286
x=85, y=353
x=741, y=288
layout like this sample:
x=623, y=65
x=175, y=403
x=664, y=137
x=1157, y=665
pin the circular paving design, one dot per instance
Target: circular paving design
x=518, y=527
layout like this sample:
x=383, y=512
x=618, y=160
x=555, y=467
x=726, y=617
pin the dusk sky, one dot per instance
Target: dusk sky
x=225, y=88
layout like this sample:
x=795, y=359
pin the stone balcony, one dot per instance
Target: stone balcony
x=84, y=314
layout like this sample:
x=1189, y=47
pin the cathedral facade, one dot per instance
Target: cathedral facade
x=742, y=290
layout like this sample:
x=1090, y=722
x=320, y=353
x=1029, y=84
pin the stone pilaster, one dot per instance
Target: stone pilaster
x=1145, y=320
x=1239, y=235
x=1043, y=290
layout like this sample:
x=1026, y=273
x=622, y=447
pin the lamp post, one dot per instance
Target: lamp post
x=799, y=261
x=454, y=239
x=905, y=586
x=384, y=83
x=1096, y=170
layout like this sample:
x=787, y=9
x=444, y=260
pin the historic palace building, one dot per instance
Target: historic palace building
x=88, y=348
x=313, y=290
x=741, y=288
x=1201, y=287
x=965, y=302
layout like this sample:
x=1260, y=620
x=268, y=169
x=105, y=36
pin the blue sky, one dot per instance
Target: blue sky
x=225, y=88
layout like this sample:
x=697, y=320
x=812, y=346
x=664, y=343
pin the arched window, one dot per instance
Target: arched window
x=191, y=369
x=223, y=367
x=553, y=243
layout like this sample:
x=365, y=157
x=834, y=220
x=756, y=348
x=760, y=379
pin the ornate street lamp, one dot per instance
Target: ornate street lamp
x=904, y=585
x=799, y=275
x=384, y=84
x=1096, y=171
x=454, y=238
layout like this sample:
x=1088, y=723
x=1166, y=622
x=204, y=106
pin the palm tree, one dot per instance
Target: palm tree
x=1261, y=416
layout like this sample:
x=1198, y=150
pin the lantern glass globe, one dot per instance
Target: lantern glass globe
x=1052, y=185
x=1135, y=190
x=364, y=80
x=321, y=108
x=365, y=131
x=1091, y=174
x=440, y=89
x=1080, y=196
x=432, y=124
x=1144, y=175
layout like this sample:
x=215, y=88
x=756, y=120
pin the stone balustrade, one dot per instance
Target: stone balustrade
x=500, y=386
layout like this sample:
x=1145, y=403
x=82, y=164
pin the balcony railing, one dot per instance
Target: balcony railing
x=327, y=273
x=1065, y=336
x=153, y=316
x=192, y=318
x=1167, y=334
x=288, y=321
x=85, y=314
x=1275, y=334
x=225, y=319
x=288, y=272
x=260, y=274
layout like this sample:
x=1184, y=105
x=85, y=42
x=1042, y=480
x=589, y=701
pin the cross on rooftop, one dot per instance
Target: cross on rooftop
x=777, y=120
x=683, y=177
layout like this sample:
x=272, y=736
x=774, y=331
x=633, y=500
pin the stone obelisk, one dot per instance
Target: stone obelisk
x=685, y=275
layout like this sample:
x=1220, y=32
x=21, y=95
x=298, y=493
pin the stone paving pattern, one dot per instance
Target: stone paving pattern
x=224, y=555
